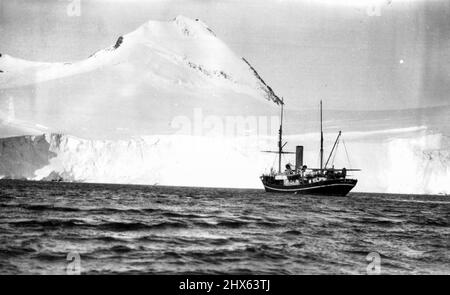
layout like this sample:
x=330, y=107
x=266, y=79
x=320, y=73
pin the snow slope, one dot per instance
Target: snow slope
x=137, y=86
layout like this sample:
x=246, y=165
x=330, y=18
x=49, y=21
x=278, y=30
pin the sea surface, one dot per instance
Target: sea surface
x=56, y=228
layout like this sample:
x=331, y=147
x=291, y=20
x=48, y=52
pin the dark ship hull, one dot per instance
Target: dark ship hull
x=329, y=187
x=323, y=181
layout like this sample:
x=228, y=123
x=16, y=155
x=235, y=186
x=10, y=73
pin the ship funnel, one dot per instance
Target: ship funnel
x=298, y=157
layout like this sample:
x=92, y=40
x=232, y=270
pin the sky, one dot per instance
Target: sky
x=357, y=55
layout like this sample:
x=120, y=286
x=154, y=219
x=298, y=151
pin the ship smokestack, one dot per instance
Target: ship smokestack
x=298, y=157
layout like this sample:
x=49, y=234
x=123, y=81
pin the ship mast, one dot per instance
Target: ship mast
x=321, y=138
x=280, y=140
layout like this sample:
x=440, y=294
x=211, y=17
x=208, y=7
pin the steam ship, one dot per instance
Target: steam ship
x=303, y=180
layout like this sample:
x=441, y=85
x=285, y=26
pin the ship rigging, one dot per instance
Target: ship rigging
x=304, y=180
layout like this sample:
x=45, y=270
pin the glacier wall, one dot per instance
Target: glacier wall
x=417, y=161
x=21, y=156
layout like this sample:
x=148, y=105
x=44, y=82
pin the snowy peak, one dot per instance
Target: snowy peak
x=160, y=71
x=173, y=50
x=190, y=27
x=197, y=46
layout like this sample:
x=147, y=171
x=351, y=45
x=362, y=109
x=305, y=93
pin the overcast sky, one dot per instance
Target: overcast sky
x=393, y=55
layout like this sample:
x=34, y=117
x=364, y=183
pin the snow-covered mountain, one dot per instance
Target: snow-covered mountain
x=137, y=86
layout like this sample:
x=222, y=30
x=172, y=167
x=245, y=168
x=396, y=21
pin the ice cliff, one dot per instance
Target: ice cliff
x=398, y=165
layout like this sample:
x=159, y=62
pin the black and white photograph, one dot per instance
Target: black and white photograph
x=225, y=137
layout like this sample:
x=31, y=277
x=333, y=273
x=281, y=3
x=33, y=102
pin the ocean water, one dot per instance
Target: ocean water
x=172, y=230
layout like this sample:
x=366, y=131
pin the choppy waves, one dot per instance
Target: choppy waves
x=167, y=230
